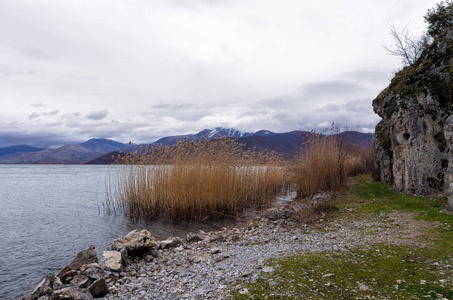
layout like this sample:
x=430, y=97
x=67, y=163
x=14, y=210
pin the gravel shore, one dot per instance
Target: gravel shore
x=211, y=267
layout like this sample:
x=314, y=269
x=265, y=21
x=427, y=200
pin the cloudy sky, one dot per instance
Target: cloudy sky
x=137, y=70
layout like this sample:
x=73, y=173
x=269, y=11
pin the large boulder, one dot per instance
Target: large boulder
x=87, y=256
x=414, y=140
x=46, y=286
x=136, y=242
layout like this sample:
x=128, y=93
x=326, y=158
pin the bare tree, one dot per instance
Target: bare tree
x=406, y=46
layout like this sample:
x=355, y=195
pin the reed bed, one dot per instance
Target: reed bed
x=196, y=180
x=320, y=165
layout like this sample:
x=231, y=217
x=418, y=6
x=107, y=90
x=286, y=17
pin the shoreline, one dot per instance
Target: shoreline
x=207, y=265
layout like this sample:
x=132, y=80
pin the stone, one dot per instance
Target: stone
x=154, y=253
x=199, y=257
x=87, y=256
x=364, y=287
x=279, y=213
x=99, y=288
x=268, y=269
x=217, y=238
x=92, y=271
x=68, y=276
x=125, y=257
x=136, y=242
x=84, y=283
x=170, y=243
x=112, y=261
x=71, y=293
x=215, y=250
x=46, y=286
x=193, y=237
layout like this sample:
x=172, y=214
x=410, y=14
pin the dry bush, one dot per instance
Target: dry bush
x=359, y=160
x=196, y=180
x=316, y=208
x=320, y=166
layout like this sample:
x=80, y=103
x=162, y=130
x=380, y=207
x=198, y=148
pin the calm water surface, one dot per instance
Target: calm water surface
x=48, y=213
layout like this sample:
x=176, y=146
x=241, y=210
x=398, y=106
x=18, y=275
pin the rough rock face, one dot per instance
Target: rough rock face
x=414, y=140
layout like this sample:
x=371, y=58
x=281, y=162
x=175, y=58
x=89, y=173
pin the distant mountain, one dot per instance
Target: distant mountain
x=68, y=154
x=206, y=133
x=19, y=148
x=103, y=145
x=287, y=144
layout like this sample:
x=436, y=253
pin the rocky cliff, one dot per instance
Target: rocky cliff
x=414, y=140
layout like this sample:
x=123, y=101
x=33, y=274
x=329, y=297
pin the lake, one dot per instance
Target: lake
x=48, y=213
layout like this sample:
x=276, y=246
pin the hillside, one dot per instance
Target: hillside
x=68, y=154
x=19, y=149
x=288, y=144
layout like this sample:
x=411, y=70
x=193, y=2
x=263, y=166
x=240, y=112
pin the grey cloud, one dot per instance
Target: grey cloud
x=352, y=106
x=38, y=104
x=366, y=74
x=52, y=113
x=330, y=88
x=97, y=115
x=37, y=115
x=172, y=106
x=33, y=116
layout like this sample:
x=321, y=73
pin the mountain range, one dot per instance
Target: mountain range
x=100, y=151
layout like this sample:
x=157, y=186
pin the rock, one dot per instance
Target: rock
x=71, y=293
x=99, y=288
x=193, y=237
x=199, y=257
x=87, y=256
x=125, y=257
x=170, y=243
x=68, y=276
x=92, y=271
x=46, y=286
x=268, y=269
x=154, y=253
x=215, y=250
x=112, y=261
x=217, y=238
x=414, y=141
x=78, y=280
x=364, y=287
x=84, y=283
x=136, y=242
x=279, y=213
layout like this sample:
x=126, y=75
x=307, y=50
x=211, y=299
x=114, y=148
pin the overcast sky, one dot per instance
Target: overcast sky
x=137, y=70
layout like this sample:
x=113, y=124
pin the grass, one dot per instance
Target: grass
x=320, y=166
x=217, y=178
x=382, y=270
x=193, y=181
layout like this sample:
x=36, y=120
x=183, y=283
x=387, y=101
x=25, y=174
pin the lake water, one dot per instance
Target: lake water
x=48, y=213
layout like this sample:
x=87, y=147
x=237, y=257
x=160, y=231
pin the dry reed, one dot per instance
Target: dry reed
x=320, y=166
x=196, y=180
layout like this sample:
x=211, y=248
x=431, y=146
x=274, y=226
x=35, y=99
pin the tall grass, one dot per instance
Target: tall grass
x=359, y=160
x=197, y=180
x=325, y=162
x=320, y=166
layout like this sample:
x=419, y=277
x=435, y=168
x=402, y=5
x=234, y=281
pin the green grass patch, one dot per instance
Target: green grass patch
x=381, y=271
